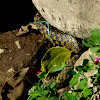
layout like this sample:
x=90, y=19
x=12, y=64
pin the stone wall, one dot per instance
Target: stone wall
x=77, y=17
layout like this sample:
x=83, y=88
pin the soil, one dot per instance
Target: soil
x=22, y=55
x=18, y=57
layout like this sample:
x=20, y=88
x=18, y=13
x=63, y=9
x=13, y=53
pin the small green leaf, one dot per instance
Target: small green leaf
x=55, y=56
x=57, y=68
x=52, y=85
x=90, y=42
x=94, y=49
x=38, y=84
x=88, y=98
x=42, y=75
x=97, y=74
x=99, y=70
x=95, y=32
x=98, y=54
x=85, y=62
x=42, y=98
x=43, y=86
x=77, y=97
x=34, y=88
x=91, y=67
x=53, y=98
x=91, y=58
x=45, y=92
x=86, y=44
x=35, y=94
x=98, y=40
x=99, y=64
x=71, y=72
x=98, y=79
x=69, y=96
x=82, y=84
x=30, y=98
x=74, y=79
x=87, y=92
x=79, y=68
x=95, y=36
x=74, y=92
x=39, y=89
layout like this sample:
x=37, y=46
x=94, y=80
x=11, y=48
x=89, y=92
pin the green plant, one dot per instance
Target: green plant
x=41, y=92
x=83, y=90
x=54, y=61
x=94, y=41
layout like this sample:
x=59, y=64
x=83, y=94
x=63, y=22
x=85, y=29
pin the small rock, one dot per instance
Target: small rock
x=10, y=72
x=18, y=44
x=28, y=54
x=2, y=51
x=22, y=30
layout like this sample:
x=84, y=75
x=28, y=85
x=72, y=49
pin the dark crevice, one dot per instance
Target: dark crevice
x=15, y=13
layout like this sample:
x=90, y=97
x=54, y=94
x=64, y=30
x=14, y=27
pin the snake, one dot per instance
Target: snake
x=62, y=39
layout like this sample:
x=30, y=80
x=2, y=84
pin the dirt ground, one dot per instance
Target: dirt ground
x=20, y=57
x=18, y=60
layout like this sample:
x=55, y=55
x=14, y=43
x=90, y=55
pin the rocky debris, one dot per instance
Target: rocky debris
x=26, y=29
x=15, y=54
x=79, y=62
x=77, y=17
x=18, y=44
x=19, y=84
x=85, y=55
x=62, y=90
x=2, y=51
